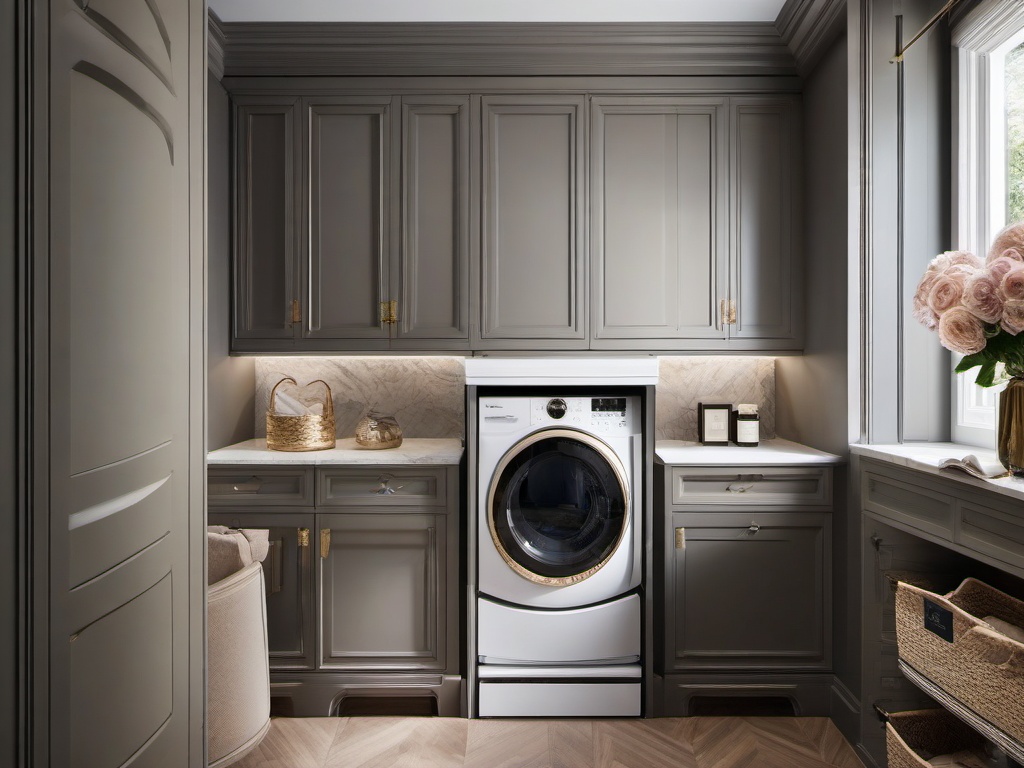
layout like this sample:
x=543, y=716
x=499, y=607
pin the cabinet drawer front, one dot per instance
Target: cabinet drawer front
x=997, y=532
x=763, y=486
x=260, y=486
x=367, y=487
x=914, y=505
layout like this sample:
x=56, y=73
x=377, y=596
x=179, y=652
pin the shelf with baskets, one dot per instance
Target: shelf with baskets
x=940, y=658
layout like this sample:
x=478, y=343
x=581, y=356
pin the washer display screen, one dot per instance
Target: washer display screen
x=558, y=507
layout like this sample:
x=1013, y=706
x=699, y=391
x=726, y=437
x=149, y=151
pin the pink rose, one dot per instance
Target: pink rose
x=1000, y=266
x=948, y=289
x=1013, y=254
x=981, y=297
x=1011, y=236
x=1013, y=316
x=1012, y=284
x=922, y=312
x=961, y=332
x=965, y=258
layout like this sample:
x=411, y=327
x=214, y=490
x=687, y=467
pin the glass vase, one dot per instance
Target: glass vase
x=1010, y=427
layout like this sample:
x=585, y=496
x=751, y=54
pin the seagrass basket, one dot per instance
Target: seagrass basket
x=931, y=732
x=309, y=432
x=981, y=668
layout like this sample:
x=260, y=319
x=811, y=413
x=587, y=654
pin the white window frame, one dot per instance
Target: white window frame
x=980, y=39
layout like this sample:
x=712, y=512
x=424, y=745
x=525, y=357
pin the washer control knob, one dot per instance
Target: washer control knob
x=557, y=408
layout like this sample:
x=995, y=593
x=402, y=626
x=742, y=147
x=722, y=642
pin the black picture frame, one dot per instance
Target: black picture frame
x=713, y=423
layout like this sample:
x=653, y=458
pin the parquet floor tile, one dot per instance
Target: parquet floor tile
x=437, y=742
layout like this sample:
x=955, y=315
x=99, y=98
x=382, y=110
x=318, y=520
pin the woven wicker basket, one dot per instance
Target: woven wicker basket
x=981, y=668
x=301, y=433
x=929, y=731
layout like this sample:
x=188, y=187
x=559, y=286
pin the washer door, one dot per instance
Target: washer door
x=558, y=506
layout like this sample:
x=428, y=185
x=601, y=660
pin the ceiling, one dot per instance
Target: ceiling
x=497, y=10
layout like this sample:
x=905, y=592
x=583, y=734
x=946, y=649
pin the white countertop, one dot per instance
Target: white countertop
x=413, y=450
x=926, y=457
x=769, y=452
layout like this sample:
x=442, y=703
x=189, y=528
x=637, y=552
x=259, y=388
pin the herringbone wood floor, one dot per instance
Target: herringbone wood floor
x=436, y=742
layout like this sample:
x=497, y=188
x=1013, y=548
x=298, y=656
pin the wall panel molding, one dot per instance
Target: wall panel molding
x=215, y=42
x=394, y=49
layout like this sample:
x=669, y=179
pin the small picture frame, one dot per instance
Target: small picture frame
x=713, y=423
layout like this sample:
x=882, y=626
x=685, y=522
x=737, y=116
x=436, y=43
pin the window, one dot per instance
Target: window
x=988, y=170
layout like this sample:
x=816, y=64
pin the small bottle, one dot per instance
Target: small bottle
x=748, y=425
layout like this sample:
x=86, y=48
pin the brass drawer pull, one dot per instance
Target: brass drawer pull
x=303, y=537
x=252, y=485
x=325, y=543
x=754, y=528
x=385, y=489
x=739, y=488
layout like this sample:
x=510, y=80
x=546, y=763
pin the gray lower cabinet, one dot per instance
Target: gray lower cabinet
x=533, y=269
x=746, y=593
x=362, y=582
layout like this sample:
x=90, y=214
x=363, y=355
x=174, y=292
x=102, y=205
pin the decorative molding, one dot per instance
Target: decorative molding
x=809, y=27
x=475, y=49
x=215, y=44
x=988, y=25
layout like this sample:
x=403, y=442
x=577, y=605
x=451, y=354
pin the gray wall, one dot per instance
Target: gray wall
x=8, y=405
x=811, y=389
x=231, y=389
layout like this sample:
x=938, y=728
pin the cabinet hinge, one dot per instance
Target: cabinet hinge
x=325, y=543
x=303, y=537
x=296, y=311
x=389, y=312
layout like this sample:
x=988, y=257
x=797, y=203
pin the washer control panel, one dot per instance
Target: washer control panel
x=603, y=415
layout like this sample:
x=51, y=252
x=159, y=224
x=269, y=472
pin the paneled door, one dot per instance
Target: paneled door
x=120, y=376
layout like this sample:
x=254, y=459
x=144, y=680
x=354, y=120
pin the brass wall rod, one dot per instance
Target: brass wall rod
x=931, y=23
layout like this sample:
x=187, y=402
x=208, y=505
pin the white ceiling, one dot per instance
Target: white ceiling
x=498, y=10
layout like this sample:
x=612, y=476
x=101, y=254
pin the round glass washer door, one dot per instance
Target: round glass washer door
x=558, y=506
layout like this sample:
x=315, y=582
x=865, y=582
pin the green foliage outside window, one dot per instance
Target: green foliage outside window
x=1014, y=69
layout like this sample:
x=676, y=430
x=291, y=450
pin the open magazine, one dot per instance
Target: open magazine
x=972, y=465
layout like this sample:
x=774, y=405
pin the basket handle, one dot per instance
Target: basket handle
x=994, y=648
x=329, y=405
x=273, y=392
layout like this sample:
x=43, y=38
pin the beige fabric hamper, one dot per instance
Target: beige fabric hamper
x=982, y=668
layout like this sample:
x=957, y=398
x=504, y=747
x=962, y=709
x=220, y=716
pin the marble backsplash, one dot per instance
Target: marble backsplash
x=427, y=394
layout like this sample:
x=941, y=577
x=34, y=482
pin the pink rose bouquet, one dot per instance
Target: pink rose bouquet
x=978, y=307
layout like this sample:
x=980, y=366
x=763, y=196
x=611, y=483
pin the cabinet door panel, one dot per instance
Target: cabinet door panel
x=657, y=169
x=349, y=177
x=434, y=260
x=382, y=592
x=765, y=190
x=750, y=591
x=268, y=211
x=288, y=575
x=533, y=273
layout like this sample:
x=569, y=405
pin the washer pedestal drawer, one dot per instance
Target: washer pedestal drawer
x=560, y=699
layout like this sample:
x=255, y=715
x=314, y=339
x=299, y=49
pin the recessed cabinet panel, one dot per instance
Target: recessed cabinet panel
x=764, y=192
x=382, y=594
x=657, y=170
x=532, y=270
x=435, y=219
x=349, y=197
x=750, y=591
x=268, y=216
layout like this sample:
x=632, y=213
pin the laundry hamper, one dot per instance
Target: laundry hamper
x=238, y=670
x=978, y=666
x=931, y=732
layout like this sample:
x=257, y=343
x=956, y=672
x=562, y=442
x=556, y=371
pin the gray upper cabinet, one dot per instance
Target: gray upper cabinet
x=348, y=269
x=268, y=215
x=533, y=272
x=660, y=237
x=764, y=159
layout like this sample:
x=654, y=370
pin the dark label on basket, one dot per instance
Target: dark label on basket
x=938, y=620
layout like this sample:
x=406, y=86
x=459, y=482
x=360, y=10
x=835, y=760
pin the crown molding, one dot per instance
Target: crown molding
x=809, y=27
x=503, y=49
x=215, y=42
x=984, y=26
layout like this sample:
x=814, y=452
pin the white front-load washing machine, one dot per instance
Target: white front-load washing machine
x=559, y=541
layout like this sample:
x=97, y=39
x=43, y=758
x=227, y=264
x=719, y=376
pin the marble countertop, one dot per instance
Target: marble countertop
x=925, y=457
x=769, y=452
x=411, y=451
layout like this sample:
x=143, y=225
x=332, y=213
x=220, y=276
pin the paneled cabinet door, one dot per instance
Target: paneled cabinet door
x=348, y=271
x=268, y=211
x=533, y=271
x=288, y=574
x=660, y=212
x=383, y=591
x=433, y=230
x=749, y=591
x=765, y=163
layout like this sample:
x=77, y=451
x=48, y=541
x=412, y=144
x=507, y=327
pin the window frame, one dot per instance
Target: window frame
x=979, y=38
